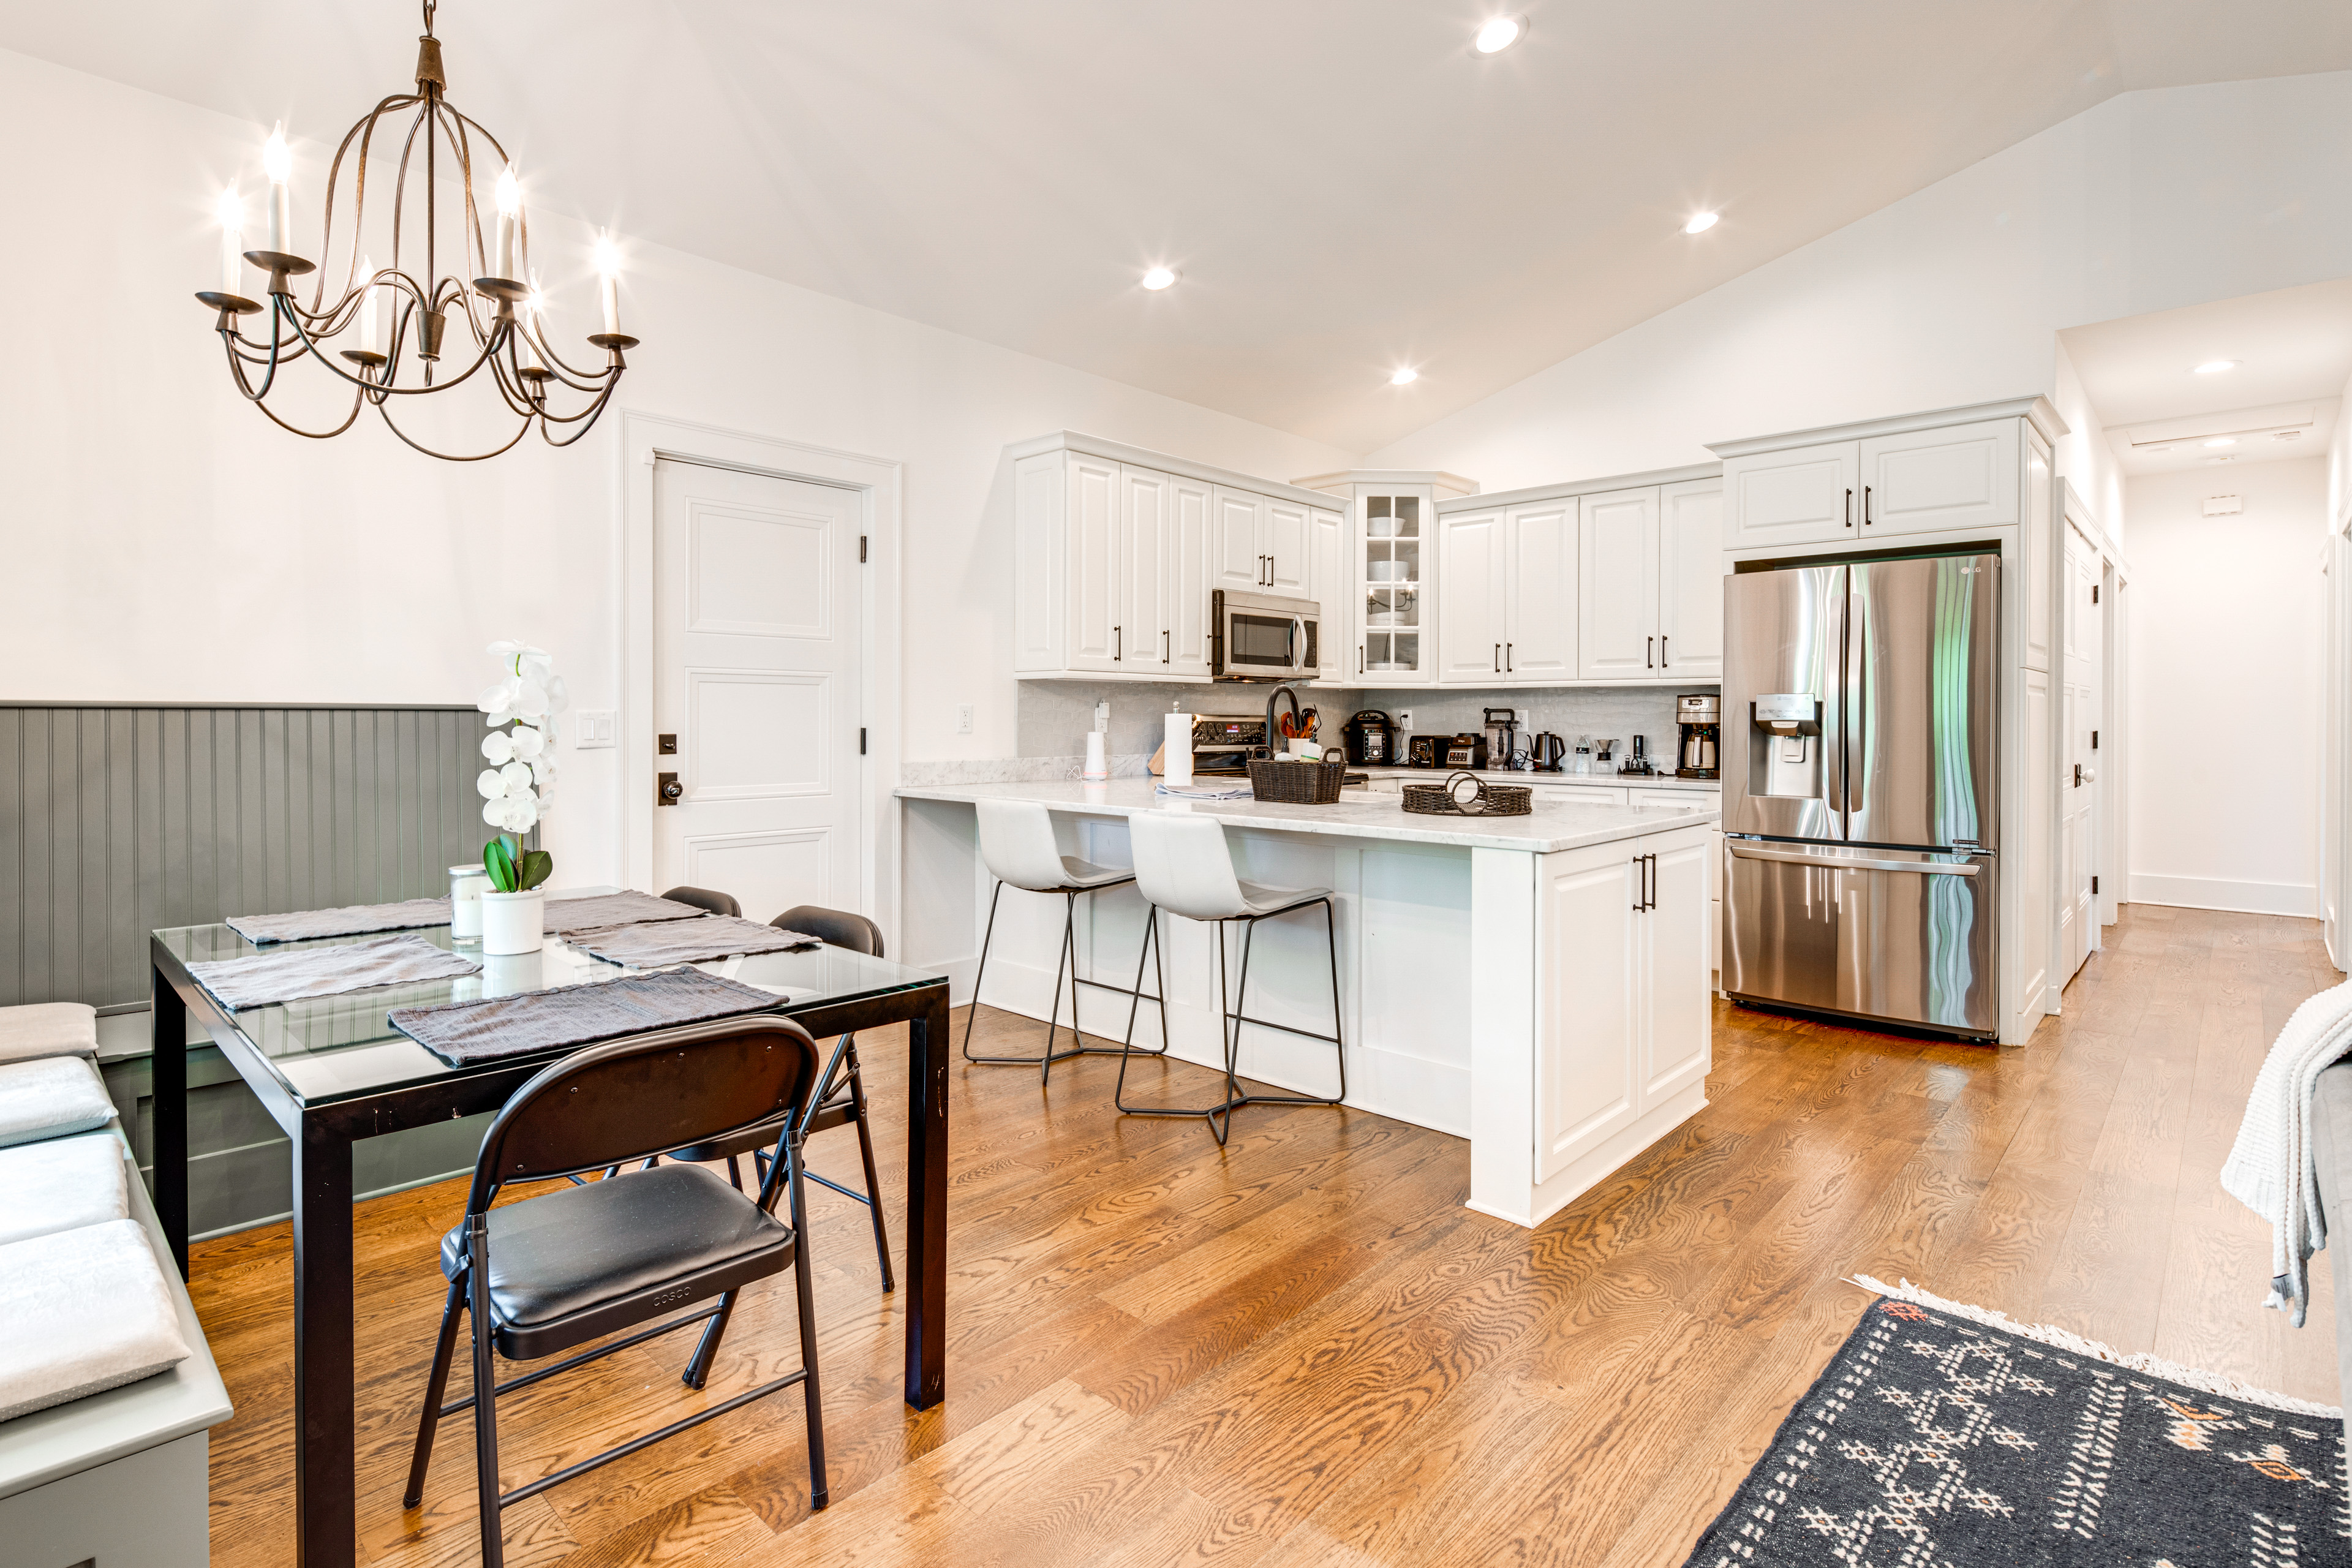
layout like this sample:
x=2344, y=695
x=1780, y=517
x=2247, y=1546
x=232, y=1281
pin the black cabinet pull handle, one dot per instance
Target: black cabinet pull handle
x=1118, y=645
x=1650, y=653
x=1866, y=506
x=1165, y=649
x=1511, y=661
x=1664, y=661
x=1359, y=658
x=1498, y=658
x=1849, y=506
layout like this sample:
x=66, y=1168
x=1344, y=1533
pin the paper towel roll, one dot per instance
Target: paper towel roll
x=1176, y=748
x=1097, y=765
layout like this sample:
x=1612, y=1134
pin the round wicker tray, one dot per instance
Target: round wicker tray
x=1468, y=795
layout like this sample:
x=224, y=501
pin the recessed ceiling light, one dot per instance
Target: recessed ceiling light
x=1160, y=277
x=2223, y=441
x=1701, y=222
x=1404, y=376
x=2216, y=366
x=1500, y=34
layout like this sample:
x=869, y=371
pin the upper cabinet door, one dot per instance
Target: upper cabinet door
x=1617, y=586
x=1470, y=617
x=1963, y=476
x=1286, y=548
x=1097, y=584
x=1690, y=579
x=1540, y=593
x=1803, y=495
x=1144, y=502
x=1238, y=555
x=1184, y=582
x=1330, y=584
x=1392, y=613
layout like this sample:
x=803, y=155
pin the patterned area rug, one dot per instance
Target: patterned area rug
x=1944, y=1435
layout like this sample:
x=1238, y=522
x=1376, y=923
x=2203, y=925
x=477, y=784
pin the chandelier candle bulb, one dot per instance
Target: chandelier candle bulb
x=278, y=162
x=608, y=268
x=503, y=264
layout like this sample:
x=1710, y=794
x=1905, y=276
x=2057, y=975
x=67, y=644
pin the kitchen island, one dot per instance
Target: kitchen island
x=1538, y=984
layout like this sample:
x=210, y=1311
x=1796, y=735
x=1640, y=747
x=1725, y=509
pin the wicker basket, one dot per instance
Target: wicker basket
x=1297, y=784
x=1482, y=799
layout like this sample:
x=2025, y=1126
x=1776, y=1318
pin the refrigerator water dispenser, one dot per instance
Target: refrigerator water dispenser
x=1786, y=758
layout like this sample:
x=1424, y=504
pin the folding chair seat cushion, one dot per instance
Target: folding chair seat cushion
x=571, y=1264
x=54, y=1097
x=49, y=1029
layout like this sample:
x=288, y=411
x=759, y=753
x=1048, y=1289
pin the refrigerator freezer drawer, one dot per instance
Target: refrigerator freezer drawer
x=1877, y=934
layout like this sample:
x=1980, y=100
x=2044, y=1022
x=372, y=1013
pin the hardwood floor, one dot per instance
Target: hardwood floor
x=1301, y=1351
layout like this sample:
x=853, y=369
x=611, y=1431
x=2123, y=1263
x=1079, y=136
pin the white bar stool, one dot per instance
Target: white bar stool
x=1016, y=842
x=1181, y=866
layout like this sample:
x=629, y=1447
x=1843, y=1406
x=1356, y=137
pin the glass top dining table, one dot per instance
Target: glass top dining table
x=333, y=1070
x=330, y=1048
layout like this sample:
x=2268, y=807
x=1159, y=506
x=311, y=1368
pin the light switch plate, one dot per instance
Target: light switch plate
x=591, y=730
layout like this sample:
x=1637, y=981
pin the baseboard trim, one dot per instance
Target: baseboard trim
x=2219, y=893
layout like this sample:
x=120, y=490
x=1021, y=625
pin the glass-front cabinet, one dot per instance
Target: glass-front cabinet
x=1393, y=547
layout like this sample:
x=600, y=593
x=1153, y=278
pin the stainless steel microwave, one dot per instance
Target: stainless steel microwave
x=1256, y=637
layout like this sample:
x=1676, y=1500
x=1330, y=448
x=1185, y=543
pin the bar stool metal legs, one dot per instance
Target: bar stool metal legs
x=1219, y=1116
x=1065, y=958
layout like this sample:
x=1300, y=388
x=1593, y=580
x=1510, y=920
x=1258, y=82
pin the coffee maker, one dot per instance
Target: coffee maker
x=1700, y=714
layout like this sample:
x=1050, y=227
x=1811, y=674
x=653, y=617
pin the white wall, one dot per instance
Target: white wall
x=1954, y=295
x=164, y=543
x=2225, y=688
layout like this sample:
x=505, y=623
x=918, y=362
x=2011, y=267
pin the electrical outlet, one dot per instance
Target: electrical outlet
x=591, y=730
x=1405, y=718
x=1102, y=717
x=963, y=718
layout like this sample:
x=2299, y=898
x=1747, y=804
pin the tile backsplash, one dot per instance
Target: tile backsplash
x=1054, y=715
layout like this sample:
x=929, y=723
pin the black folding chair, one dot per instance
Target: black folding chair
x=705, y=898
x=583, y=1261
x=841, y=1091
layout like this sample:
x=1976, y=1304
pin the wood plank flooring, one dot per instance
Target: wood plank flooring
x=1302, y=1351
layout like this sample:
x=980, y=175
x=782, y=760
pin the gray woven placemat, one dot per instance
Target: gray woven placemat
x=352, y=920
x=599, y=910
x=719, y=936
x=261, y=978
x=466, y=1032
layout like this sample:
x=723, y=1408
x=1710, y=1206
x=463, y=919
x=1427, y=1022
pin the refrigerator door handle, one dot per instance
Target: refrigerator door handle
x=1846, y=862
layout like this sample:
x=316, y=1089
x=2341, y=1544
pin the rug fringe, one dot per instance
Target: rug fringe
x=2062, y=1339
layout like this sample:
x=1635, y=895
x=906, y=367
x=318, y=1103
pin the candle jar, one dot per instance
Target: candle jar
x=466, y=886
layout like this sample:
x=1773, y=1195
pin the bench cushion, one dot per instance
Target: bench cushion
x=86, y=1310
x=49, y=1029
x=2331, y=1158
x=61, y=1184
x=51, y=1098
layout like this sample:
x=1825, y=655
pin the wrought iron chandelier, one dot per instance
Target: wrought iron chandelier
x=501, y=308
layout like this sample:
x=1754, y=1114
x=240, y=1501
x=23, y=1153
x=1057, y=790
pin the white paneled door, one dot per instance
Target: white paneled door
x=2078, y=795
x=756, y=678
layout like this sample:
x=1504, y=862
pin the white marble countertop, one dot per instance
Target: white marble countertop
x=1555, y=823
x=1587, y=780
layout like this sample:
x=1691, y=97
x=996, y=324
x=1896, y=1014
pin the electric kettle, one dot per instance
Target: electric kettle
x=1547, y=749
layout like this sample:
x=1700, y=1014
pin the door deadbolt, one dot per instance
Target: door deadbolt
x=668, y=790
x=666, y=744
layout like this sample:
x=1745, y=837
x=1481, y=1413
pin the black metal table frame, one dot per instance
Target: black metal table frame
x=325, y=1365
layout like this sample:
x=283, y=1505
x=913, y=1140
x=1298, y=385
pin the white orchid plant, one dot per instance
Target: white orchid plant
x=518, y=786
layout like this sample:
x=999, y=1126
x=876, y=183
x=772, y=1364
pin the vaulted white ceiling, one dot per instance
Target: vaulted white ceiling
x=1346, y=187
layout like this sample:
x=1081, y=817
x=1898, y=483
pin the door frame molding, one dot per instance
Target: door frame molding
x=881, y=484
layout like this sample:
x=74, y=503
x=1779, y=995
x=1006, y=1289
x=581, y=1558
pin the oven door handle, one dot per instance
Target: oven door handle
x=1743, y=851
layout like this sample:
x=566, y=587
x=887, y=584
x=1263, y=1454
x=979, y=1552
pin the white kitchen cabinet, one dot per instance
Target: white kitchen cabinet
x=1237, y=556
x=1617, y=605
x=1330, y=582
x=1471, y=611
x=1184, y=628
x=1959, y=476
x=1261, y=544
x=1098, y=584
x=2041, y=547
x=1623, y=1021
x=1797, y=495
x=1538, y=594
x=1116, y=552
x=1391, y=593
x=1690, y=580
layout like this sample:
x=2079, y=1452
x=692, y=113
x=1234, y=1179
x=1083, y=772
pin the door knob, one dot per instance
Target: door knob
x=2090, y=776
x=668, y=791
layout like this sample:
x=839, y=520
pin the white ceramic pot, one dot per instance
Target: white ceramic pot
x=513, y=922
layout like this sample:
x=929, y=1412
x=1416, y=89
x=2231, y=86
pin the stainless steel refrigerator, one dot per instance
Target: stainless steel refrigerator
x=1860, y=790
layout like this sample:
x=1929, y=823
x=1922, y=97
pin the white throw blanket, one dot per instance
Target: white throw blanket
x=2270, y=1167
